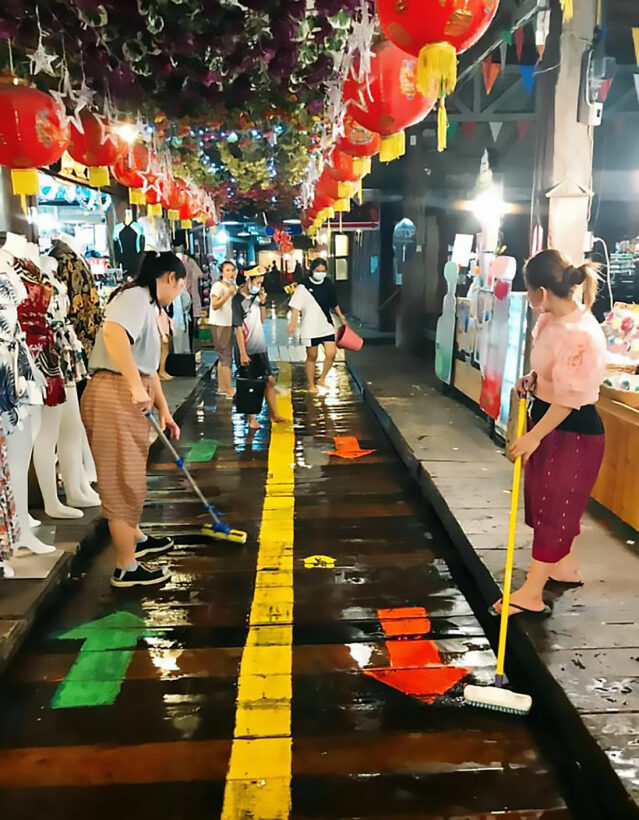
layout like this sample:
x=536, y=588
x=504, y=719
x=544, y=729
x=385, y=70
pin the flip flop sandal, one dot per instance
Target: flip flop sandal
x=567, y=584
x=539, y=614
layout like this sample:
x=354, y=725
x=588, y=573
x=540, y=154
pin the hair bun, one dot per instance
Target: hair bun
x=578, y=275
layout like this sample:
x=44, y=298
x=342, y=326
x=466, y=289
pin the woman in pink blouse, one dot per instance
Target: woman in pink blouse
x=563, y=448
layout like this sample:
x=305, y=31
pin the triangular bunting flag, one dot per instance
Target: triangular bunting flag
x=468, y=127
x=490, y=71
x=540, y=51
x=635, y=37
x=528, y=77
x=453, y=128
x=519, y=42
x=495, y=130
x=604, y=89
x=503, y=54
x=523, y=128
x=507, y=36
x=636, y=78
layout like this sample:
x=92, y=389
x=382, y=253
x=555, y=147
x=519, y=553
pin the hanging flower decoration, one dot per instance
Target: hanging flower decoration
x=391, y=102
x=436, y=38
x=32, y=134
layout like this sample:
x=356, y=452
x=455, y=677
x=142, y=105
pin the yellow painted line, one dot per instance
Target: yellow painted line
x=258, y=783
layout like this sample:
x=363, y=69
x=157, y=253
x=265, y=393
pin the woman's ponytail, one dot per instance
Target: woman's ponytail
x=550, y=269
x=154, y=265
x=589, y=279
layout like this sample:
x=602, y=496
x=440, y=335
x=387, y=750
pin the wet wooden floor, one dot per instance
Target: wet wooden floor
x=350, y=691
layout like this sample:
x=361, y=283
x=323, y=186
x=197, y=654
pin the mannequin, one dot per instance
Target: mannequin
x=60, y=434
x=28, y=410
x=19, y=447
x=72, y=243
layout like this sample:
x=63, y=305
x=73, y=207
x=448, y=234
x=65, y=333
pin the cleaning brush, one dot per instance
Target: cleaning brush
x=496, y=697
x=216, y=529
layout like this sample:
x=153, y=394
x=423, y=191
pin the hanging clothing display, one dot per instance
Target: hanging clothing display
x=21, y=383
x=73, y=360
x=181, y=323
x=85, y=314
x=128, y=245
x=35, y=321
x=9, y=529
x=193, y=276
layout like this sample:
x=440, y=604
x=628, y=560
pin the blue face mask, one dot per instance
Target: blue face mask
x=254, y=289
x=318, y=276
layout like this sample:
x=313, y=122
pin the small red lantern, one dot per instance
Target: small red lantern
x=437, y=36
x=173, y=196
x=346, y=168
x=97, y=147
x=187, y=210
x=129, y=171
x=327, y=186
x=394, y=103
x=32, y=134
x=357, y=140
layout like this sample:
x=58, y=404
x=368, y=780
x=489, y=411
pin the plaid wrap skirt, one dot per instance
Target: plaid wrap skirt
x=118, y=434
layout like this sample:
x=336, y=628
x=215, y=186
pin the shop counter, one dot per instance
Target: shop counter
x=617, y=487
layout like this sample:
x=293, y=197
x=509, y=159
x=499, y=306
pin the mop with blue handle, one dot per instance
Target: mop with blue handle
x=496, y=697
x=217, y=529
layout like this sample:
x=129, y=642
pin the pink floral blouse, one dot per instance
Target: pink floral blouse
x=569, y=358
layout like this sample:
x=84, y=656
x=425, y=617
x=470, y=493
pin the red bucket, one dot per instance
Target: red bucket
x=348, y=339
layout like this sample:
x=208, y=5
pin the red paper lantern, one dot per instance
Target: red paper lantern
x=327, y=186
x=129, y=171
x=321, y=202
x=345, y=168
x=437, y=35
x=32, y=134
x=357, y=140
x=173, y=196
x=394, y=103
x=97, y=147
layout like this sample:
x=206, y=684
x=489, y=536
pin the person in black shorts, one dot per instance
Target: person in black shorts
x=250, y=345
x=313, y=300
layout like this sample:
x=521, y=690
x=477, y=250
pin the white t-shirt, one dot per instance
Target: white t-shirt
x=133, y=310
x=222, y=317
x=315, y=324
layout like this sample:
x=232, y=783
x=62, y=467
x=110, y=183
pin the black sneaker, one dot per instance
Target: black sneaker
x=142, y=576
x=153, y=546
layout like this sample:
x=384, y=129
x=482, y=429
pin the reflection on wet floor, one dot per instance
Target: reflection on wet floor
x=386, y=603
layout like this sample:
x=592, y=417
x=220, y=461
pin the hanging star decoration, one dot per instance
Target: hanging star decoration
x=41, y=61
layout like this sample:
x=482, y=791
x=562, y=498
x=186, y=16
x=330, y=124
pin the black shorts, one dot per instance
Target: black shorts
x=321, y=340
x=260, y=366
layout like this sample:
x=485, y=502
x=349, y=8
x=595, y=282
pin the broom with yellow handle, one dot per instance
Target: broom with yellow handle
x=496, y=697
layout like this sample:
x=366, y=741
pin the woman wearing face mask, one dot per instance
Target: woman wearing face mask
x=221, y=320
x=125, y=384
x=314, y=299
x=248, y=317
x=563, y=448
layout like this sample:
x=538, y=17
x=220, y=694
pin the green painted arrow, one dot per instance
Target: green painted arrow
x=95, y=679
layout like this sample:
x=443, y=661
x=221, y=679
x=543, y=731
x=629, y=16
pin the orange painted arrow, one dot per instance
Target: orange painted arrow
x=416, y=667
x=348, y=447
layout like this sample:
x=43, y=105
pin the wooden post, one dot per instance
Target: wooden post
x=562, y=187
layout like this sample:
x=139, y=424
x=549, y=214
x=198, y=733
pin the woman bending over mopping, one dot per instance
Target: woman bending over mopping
x=125, y=384
x=563, y=448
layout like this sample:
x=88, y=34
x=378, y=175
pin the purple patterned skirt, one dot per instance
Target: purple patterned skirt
x=559, y=478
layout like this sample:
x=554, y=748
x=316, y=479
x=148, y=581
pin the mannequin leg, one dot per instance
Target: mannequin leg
x=44, y=461
x=19, y=447
x=78, y=490
x=33, y=522
x=6, y=570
